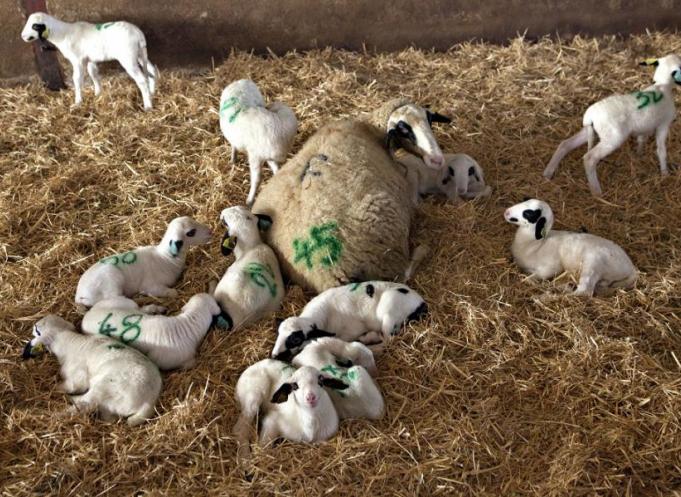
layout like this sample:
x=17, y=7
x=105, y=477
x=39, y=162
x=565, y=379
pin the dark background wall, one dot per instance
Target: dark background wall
x=191, y=32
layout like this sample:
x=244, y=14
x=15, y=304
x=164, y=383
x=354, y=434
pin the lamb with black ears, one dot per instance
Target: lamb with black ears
x=602, y=265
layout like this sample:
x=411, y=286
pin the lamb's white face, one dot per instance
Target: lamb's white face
x=185, y=232
x=668, y=69
x=402, y=305
x=410, y=125
x=532, y=214
x=35, y=27
x=293, y=334
x=44, y=332
x=241, y=223
x=306, y=385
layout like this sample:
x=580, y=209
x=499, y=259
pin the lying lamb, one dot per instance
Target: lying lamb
x=265, y=133
x=371, y=312
x=352, y=363
x=150, y=270
x=294, y=404
x=171, y=342
x=616, y=118
x=84, y=45
x=252, y=287
x=603, y=265
x=100, y=373
x=460, y=177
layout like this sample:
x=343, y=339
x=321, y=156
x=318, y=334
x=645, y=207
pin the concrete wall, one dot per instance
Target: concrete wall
x=190, y=32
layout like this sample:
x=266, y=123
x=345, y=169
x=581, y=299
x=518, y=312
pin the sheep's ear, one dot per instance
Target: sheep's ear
x=434, y=117
x=392, y=140
x=264, y=222
x=650, y=62
x=26, y=354
x=285, y=356
x=540, y=228
x=334, y=383
x=317, y=333
x=281, y=395
x=223, y=321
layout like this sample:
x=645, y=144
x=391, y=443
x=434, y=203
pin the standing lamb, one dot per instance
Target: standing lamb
x=371, y=312
x=341, y=207
x=85, y=44
x=252, y=287
x=616, y=118
x=601, y=264
x=150, y=270
x=265, y=133
x=170, y=341
x=100, y=373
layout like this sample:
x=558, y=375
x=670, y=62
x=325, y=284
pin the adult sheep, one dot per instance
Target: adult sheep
x=341, y=207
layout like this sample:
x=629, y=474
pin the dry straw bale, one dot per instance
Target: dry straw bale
x=496, y=393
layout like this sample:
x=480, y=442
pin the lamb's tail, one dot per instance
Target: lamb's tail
x=567, y=146
x=420, y=253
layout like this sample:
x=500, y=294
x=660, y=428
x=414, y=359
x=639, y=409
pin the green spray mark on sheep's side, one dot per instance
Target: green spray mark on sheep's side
x=354, y=286
x=129, y=323
x=322, y=242
x=342, y=374
x=229, y=103
x=646, y=97
x=116, y=260
x=104, y=25
x=262, y=275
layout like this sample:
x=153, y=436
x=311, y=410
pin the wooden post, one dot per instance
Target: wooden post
x=45, y=57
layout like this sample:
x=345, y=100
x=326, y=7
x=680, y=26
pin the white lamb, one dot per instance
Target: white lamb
x=100, y=373
x=294, y=404
x=353, y=364
x=150, y=270
x=85, y=44
x=616, y=118
x=265, y=133
x=252, y=287
x=601, y=264
x=170, y=341
x=460, y=177
x=371, y=312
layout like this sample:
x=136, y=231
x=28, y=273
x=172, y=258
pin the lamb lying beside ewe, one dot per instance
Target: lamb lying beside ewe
x=100, y=373
x=370, y=312
x=84, y=45
x=150, y=270
x=601, y=264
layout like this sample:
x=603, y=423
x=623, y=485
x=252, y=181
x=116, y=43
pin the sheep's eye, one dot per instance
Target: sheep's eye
x=294, y=386
x=191, y=232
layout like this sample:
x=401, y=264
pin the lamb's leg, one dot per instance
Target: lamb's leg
x=152, y=74
x=640, y=144
x=94, y=76
x=661, y=140
x=565, y=147
x=587, y=282
x=154, y=309
x=255, y=166
x=273, y=166
x=605, y=147
x=159, y=291
x=135, y=71
x=76, y=381
x=78, y=80
x=232, y=155
x=420, y=253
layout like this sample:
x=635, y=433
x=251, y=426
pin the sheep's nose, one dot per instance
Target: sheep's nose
x=311, y=398
x=437, y=160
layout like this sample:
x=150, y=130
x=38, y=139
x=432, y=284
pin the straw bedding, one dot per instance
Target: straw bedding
x=495, y=393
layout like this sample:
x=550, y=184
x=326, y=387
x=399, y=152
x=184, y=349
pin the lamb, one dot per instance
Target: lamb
x=150, y=270
x=353, y=363
x=85, y=44
x=616, y=118
x=460, y=177
x=371, y=312
x=252, y=287
x=295, y=405
x=341, y=207
x=265, y=133
x=602, y=265
x=171, y=342
x=100, y=373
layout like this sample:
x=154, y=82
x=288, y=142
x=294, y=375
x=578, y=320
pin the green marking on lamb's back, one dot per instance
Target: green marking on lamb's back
x=128, y=330
x=322, y=246
x=126, y=258
x=645, y=98
x=354, y=286
x=228, y=104
x=262, y=275
x=104, y=25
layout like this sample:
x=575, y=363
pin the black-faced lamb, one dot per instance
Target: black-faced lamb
x=371, y=312
x=601, y=264
x=84, y=45
x=341, y=207
x=100, y=373
x=170, y=341
x=616, y=118
x=252, y=287
x=265, y=133
x=150, y=270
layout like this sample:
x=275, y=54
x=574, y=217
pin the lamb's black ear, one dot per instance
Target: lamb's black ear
x=264, y=222
x=434, y=117
x=539, y=232
x=27, y=351
x=333, y=383
x=281, y=395
x=317, y=333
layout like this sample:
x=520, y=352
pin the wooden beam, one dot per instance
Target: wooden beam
x=45, y=53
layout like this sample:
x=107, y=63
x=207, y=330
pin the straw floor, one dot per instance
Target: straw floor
x=497, y=392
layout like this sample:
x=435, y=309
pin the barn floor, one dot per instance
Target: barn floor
x=497, y=392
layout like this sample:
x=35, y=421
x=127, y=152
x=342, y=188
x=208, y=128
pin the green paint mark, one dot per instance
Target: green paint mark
x=286, y=367
x=354, y=286
x=646, y=97
x=343, y=374
x=105, y=328
x=322, y=241
x=128, y=323
x=115, y=346
x=104, y=25
x=228, y=104
x=262, y=275
x=116, y=260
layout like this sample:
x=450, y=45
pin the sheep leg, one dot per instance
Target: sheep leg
x=255, y=166
x=565, y=147
x=75, y=381
x=94, y=76
x=661, y=141
x=232, y=156
x=640, y=144
x=273, y=166
x=152, y=74
x=420, y=253
x=159, y=291
x=587, y=283
x=605, y=147
x=135, y=72
x=78, y=80
x=154, y=309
